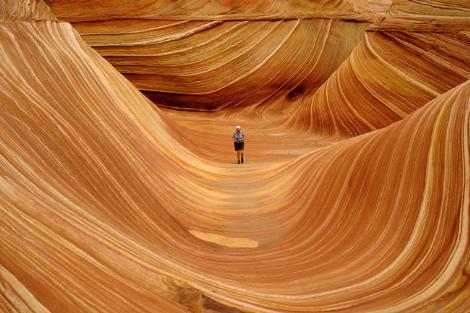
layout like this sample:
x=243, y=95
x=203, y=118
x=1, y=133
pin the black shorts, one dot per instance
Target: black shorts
x=239, y=146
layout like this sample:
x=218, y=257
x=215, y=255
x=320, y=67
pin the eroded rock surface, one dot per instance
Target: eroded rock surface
x=355, y=194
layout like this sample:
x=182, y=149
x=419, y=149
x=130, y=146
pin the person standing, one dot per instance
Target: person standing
x=239, y=143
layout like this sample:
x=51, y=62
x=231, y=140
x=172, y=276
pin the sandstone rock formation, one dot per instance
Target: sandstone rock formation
x=355, y=198
x=96, y=10
x=208, y=55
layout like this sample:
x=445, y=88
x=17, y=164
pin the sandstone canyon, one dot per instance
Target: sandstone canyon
x=118, y=186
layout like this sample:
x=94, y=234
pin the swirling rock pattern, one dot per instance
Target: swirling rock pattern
x=109, y=203
x=387, y=87
x=209, y=65
x=96, y=10
x=249, y=55
x=13, y=10
x=450, y=8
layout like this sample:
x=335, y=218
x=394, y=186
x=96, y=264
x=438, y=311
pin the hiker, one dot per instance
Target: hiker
x=239, y=143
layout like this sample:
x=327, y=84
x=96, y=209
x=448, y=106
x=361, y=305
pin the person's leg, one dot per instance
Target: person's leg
x=241, y=153
x=237, y=151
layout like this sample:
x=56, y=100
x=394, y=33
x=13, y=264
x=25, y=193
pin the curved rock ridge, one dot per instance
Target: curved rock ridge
x=211, y=65
x=387, y=88
x=85, y=10
x=227, y=60
x=109, y=203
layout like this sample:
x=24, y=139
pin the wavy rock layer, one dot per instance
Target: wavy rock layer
x=226, y=59
x=211, y=65
x=14, y=10
x=448, y=8
x=85, y=10
x=108, y=203
x=386, y=87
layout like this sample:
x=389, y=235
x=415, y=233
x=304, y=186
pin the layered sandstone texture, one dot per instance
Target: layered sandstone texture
x=355, y=196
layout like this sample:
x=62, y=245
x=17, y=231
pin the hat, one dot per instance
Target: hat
x=237, y=127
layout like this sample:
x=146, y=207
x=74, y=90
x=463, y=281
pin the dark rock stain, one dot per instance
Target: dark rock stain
x=294, y=93
x=197, y=302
